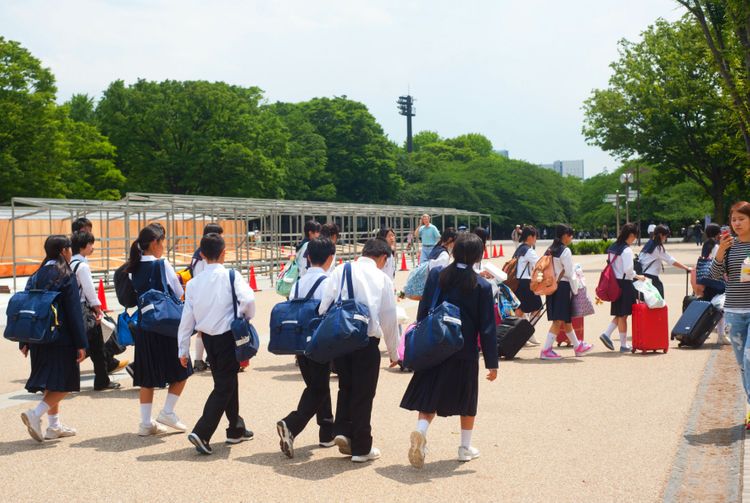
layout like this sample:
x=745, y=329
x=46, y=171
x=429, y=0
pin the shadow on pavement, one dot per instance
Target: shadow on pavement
x=406, y=474
x=288, y=377
x=121, y=442
x=539, y=361
x=301, y=466
x=27, y=444
x=188, y=453
x=717, y=436
x=278, y=368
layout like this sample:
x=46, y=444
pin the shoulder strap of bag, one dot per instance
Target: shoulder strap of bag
x=234, y=294
x=435, y=297
x=347, y=276
x=76, y=266
x=314, y=287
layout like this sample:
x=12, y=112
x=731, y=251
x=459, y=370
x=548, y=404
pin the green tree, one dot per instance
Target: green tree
x=664, y=105
x=81, y=108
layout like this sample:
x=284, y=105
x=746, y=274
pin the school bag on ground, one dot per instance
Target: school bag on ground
x=608, y=289
x=126, y=294
x=513, y=334
x=286, y=280
x=246, y=337
x=696, y=324
x=343, y=329
x=33, y=315
x=650, y=328
x=291, y=322
x=543, y=278
x=436, y=337
x=160, y=310
x=414, y=287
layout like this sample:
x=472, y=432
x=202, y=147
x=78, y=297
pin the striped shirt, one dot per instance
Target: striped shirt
x=737, y=293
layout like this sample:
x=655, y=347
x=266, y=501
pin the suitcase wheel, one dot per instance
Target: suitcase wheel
x=633, y=350
x=665, y=350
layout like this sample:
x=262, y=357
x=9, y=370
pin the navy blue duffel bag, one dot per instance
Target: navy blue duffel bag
x=291, y=322
x=33, y=316
x=160, y=311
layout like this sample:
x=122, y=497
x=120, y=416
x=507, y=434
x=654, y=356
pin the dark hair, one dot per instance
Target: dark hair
x=467, y=251
x=625, y=233
x=383, y=232
x=79, y=223
x=329, y=230
x=375, y=248
x=152, y=232
x=482, y=234
x=212, y=244
x=319, y=249
x=712, y=230
x=311, y=226
x=53, y=248
x=80, y=240
x=212, y=228
x=740, y=207
x=449, y=234
x=561, y=230
x=528, y=231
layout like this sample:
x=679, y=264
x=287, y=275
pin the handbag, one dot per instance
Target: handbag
x=126, y=323
x=160, y=310
x=608, y=288
x=414, y=287
x=343, y=329
x=581, y=303
x=33, y=315
x=436, y=337
x=651, y=295
x=507, y=301
x=112, y=345
x=291, y=322
x=246, y=337
x=287, y=278
x=703, y=275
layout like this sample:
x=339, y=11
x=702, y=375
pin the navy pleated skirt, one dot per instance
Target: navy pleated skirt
x=559, y=304
x=624, y=305
x=449, y=389
x=530, y=301
x=156, y=362
x=53, y=368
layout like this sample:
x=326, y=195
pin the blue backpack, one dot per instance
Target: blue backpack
x=124, y=334
x=291, y=322
x=33, y=315
x=414, y=287
x=435, y=338
x=160, y=311
x=343, y=328
x=245, y=336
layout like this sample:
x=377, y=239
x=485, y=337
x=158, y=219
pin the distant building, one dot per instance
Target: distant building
x=503, y=153
x=566, y=168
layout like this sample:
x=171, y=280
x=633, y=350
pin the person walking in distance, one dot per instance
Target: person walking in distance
x=428, y=235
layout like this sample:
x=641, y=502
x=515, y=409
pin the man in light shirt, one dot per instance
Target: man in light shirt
x=209, y=309
x=358, y=371
x=429, y=235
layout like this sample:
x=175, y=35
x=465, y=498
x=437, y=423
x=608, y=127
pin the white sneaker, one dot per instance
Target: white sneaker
x=418, y=449
x=372, y=455
x=145, y=430
x=344, y=444
x=33, y=424
x=170, y=419
x=59, y=432
x=532, y=341
x=467, y=453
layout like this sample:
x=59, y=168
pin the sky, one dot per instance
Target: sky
x=516, y=71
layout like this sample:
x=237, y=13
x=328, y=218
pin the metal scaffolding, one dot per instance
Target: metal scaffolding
x=259, y=233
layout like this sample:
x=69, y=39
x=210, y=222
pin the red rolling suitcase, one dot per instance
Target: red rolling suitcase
x=650, y=328
x=562, y=337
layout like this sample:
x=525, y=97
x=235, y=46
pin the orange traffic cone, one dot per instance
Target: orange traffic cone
x=341, y=261
x=403, y=262
x=253, y=283
x=282, y=268
x=102, y=297
x=501, y=251
x=486, y=255
x=494, y=251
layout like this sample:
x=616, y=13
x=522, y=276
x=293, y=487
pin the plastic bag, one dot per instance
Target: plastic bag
x=650, y=294
x=718, y=301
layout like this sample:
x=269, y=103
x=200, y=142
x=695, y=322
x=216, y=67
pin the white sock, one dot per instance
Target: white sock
x=54, y=420
x=610, y=329
x=572, y=338
x=550, y=341
x=623, y=339
x=170, y=402
x=41, y=408
x=466, y=438
x=422, y=426
x=199, y=348
x=146, y=413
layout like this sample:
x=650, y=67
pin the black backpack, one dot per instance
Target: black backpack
x=126, y=294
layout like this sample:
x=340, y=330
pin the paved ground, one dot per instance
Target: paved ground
x=607, y=427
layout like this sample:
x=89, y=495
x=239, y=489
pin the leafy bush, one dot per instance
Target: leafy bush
x=590, y=247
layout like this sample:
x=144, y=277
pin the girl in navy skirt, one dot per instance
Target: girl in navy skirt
x=653, y=255
x=156, y=356
x=620, y=255
x=559, y=304
x=527, y=259
x=54, y=367
x=451, y=388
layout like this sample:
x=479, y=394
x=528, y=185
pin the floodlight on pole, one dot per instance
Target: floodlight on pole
x=407, y=109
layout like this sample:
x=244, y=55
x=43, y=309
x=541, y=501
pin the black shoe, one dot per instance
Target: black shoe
x=247, y=435
x=111, y=385
x=130, y=370
x=200, y=445
x=199, y=366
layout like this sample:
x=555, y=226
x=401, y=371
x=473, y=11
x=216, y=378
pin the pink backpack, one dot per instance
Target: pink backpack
x=608, y=288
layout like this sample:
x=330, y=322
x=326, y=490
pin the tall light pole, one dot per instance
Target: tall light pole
x=627, y=179
x=638, y=198
x=617, y=211
x=406, y=108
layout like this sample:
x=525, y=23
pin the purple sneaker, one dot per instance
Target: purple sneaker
x=549, y=354
x=583, y=348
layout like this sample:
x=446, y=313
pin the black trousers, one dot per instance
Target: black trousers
x=657, y=283
x=96, y=353
x=358, y=379
x=315, y=400
x=224, y=397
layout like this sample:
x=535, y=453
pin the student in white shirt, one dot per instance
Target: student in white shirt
x=312, y=231
x=197, y=265
x=331, y=231
x=83, y=245
x=527, y=259
x=209, y=309
x=440, y=256
x=316, y=398
x=653, y=254
x=388, y=235
x=358, y=371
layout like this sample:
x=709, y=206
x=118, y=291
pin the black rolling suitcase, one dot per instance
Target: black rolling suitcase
x=513, y=333
x=696, y=324
x=688, y=299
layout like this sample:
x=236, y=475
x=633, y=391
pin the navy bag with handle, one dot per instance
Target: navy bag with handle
x=245, y=336
x=124, y=333
x=343, y=329
x=33, y=315
x=436, y=337
x=291, y=322
x=160, y=311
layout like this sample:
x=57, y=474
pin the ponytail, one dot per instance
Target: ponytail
x=149, y=234
x=557, y=245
